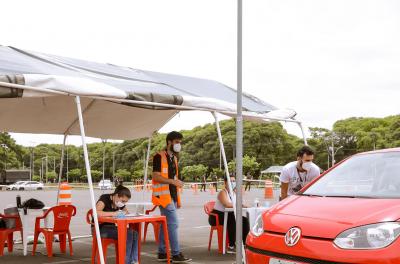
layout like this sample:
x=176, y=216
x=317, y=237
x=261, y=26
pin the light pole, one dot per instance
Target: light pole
x=67, y=161
x=5, y=155
x=113, y=166
x=333, y=152
x=104, y=141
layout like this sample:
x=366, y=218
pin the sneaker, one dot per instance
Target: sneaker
x=231, y=250
x=162, y=257
x=180, y=259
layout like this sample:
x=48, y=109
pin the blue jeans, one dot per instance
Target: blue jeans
x=111, y=231
x=172, y=224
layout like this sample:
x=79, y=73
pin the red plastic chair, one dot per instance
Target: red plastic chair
x=208, y=207
x=105, y=242
x=7, y=234
x=62, y=218
x=156, y=226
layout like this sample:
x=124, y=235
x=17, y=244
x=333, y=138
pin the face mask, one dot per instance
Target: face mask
x=233, y=185
x=119, y=204
x=177, y=147
x=307, y=165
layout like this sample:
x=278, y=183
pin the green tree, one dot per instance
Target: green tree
x=193, y=172
x=124, y=174
x=75, y=175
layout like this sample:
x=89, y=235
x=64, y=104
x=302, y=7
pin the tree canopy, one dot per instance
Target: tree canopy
x=264, y=145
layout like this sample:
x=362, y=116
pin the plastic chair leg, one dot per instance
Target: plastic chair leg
x=49, y=244
x=35, y=241
x=210, y=239
x=70, y=243
x=220, y=240
x=10, y=242
x=63, y=245
x=3, y=238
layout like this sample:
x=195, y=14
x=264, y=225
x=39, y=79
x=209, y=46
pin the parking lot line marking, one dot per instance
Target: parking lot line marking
x=198, y=227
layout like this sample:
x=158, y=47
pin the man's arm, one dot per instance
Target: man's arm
x=284, y=178
x=157, y=177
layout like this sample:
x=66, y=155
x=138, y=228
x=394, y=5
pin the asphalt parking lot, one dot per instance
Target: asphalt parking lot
x=193, y=231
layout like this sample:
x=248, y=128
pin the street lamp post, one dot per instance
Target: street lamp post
x=333, y=152
x=5, y=155
x=104, y=156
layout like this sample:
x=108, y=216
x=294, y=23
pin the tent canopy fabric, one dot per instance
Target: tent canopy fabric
x=273, y=169
x=51, y=108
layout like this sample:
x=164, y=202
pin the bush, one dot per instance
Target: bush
x=96, y=176
x=51, y=176
x=123, y=174
x=35, y=178
x=74, y=175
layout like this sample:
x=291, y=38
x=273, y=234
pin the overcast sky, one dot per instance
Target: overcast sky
x=328, y=60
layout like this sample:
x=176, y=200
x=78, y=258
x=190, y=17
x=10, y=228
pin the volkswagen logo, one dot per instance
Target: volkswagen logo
x=292, y=237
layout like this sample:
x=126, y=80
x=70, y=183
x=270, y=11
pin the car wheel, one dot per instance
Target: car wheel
x=22, y=188
x=39, y=188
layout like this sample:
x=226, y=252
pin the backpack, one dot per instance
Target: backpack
x=33, y=204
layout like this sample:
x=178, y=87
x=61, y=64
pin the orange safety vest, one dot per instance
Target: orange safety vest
x=161, y=195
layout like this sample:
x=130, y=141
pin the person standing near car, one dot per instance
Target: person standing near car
x=297, y=174
x=166, y=196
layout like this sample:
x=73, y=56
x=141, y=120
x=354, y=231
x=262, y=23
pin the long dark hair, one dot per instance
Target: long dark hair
x=122, y=191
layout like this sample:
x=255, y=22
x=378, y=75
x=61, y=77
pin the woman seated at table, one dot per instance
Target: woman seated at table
x=224, y=201
x=112, y=205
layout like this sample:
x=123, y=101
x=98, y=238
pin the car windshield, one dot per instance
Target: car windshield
x=375, y=175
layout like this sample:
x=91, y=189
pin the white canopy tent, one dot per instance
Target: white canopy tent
x=41, y=93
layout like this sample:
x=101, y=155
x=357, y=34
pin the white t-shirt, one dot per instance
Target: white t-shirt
x=296, y=179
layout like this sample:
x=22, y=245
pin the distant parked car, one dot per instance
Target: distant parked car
x=25, y=186
x=105, y=185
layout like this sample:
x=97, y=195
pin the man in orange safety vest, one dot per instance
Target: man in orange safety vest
x=166, y=184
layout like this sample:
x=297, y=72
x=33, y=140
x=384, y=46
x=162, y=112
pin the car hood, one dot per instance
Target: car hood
x=327, y=217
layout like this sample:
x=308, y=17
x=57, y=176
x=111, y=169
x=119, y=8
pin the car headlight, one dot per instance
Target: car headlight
x=369, y=237
x=258, y=227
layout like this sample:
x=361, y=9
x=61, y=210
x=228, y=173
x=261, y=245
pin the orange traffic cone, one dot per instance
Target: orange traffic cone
x=269, y=190
x=65, y=195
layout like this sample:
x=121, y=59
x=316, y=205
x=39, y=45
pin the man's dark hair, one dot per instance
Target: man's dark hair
x=173, y=135
x=305, y=150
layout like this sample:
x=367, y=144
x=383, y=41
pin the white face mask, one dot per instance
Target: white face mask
x=307, y=165
x=233, y=185
x=119, y=204
x=177, y=148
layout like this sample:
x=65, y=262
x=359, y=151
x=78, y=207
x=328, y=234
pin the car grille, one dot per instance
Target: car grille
x=291, y=257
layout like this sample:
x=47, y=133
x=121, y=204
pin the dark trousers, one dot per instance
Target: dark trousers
x=203, y=187
x=216, y=186
x=248, y=186
x=231, y=225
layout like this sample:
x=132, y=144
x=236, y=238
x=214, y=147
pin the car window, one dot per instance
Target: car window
x=374, y=175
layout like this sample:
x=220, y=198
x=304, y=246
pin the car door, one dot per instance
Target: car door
x=27, y=186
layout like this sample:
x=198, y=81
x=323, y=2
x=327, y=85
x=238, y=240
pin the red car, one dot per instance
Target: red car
x=350, y=214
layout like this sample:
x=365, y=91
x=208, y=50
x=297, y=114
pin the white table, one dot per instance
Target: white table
x=250, y=212
x=28, y=223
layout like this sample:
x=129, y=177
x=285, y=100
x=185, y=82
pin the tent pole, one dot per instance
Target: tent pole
x=61, y=166
x=302, y=132
x=239, y=138
x=146, y=168
x=89, y=176
x=222, y=149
